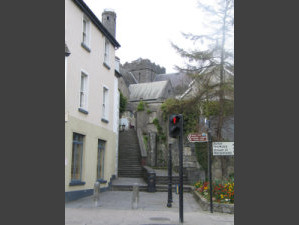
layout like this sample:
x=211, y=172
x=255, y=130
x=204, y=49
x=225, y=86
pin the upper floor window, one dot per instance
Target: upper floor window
x=83, y=91
x=106, y=54
x=105, y=105
x=86, y=34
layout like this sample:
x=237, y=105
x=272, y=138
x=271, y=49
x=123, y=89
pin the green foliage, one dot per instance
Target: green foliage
x=148, y=111
x=122, y=103
x=188, y=108
x=145, y=140
x=161, y=135
x=212, y=108
x=201, y=150
x=141, y=106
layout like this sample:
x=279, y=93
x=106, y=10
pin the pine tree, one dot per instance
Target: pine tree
x=211, y=64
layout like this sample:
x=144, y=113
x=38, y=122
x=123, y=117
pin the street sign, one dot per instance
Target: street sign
x=223, y=148
x=203, y=137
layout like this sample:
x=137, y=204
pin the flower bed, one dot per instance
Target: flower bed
x=222, y=192
x=223, y=196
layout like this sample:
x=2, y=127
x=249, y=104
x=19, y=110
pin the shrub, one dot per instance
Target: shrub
x=140, y=106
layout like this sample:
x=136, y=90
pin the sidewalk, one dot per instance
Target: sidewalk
x=114, y=208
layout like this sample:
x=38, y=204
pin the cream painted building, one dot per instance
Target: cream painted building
x=91, y=100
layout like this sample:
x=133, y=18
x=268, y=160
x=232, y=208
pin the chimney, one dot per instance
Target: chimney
x=109, y=21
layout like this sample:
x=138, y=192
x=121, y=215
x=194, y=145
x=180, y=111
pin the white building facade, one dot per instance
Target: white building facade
x=91, y=102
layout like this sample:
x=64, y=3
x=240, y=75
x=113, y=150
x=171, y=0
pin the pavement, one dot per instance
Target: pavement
x=115, y=208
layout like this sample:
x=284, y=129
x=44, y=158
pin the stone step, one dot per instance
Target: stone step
x=130, y=173
x=144, y=188
x=175, y=180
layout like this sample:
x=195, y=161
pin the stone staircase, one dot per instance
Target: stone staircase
x=129, y=163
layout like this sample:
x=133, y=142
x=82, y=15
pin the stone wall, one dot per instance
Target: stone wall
x=123, y=87
x=158, y=150
x=144, y=70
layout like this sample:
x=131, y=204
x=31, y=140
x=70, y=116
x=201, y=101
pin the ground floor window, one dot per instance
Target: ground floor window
x=77, y=155
x=101, y=157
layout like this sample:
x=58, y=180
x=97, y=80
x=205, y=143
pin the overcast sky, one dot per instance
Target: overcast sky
x=145, y=28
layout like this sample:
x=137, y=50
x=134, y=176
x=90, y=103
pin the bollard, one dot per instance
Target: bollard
x=96, y=193
x=135, y=196
x=151, y=186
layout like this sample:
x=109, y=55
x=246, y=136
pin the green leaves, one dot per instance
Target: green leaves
x=122, y=103
x=141, y=106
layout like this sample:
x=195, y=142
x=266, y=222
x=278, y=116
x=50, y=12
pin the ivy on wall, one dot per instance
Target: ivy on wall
x=122, y=103
x=141, y=106
x=161, y=135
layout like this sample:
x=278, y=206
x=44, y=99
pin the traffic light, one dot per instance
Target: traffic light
x=175, y=125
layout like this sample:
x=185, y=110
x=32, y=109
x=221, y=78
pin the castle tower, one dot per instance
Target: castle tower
x=109, y=21
x=144, y=70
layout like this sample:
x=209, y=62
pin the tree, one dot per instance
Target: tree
x=211, y=64
x=122, y=103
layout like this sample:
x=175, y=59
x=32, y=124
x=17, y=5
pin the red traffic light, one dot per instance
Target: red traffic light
x=175, y=125
x=174, y=120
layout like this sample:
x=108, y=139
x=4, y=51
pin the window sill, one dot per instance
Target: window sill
x=85, y=47
x=82, y=111
x=102, y=181
x=76, y=183
x=104, y=120
x=106, y=65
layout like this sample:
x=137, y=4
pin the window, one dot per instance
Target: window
x=105, y=104
x=101, y=157
x=85, y=33
x=106, y=54
x=77, y=154
x=83, y=91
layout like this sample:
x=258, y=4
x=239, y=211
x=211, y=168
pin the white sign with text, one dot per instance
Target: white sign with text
x=223, y=148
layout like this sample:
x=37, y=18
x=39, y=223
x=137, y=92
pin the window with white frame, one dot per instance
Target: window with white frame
x=101, y=157
x=105, y=103
x=106, y=54
x=86, y=28
x=83, y=91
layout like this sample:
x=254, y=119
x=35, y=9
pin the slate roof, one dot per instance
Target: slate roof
x=148, y=91
x=128, y=76
x=176, y=79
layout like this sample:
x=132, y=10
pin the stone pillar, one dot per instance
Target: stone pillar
x=96, y=193
x=152, y=148
x=135, y=196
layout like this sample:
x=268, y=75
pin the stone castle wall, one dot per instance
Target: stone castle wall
x=144, y=70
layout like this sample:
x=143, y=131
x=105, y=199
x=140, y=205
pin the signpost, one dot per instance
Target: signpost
x=203, y=137
x=223, y=148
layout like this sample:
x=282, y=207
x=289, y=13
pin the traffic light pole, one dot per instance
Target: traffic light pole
x=175, y=130
x=169, y=178
x=181, y=170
